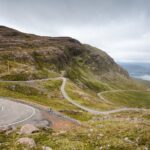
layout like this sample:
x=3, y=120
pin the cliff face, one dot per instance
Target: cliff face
x=26, y=56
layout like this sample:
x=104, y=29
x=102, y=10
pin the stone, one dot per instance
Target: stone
x=46, y=148
x=10, y=130
x=27, y=141
x=126, y=139
x=28, y=129
x=145, y=148
x=5, y=129
x=91, y=130
x=61, y=132
x=101, y=148
x=137, y=140
x=100, y=126
x=101, y=135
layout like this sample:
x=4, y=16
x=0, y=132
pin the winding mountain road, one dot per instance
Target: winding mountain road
x=92, y=111
x=12, y=113
x=113, y=91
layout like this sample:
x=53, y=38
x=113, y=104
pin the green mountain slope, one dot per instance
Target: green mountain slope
x=26, y=56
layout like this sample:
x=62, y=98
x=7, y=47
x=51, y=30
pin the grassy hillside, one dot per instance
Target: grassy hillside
x=139, y=99
x=89, y=71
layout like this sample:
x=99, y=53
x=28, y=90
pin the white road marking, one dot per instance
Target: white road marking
x=13, y=123
x=2, y=108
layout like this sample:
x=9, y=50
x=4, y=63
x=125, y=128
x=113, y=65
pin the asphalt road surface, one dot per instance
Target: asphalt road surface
x=14, y=113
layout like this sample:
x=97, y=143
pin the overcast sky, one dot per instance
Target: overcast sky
x=119, y=27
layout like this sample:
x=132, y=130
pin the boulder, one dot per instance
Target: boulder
x=126, y=139
x=27, y=141
x=28, y=129
x=46, y=148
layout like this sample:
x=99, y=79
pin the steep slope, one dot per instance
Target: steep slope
x=26, y=56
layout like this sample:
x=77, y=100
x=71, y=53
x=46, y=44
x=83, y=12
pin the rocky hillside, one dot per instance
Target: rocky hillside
x=27, y=56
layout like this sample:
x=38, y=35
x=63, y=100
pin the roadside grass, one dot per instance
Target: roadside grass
x=139, y=99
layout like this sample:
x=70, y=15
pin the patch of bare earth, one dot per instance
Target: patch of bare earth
x=58, y=122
